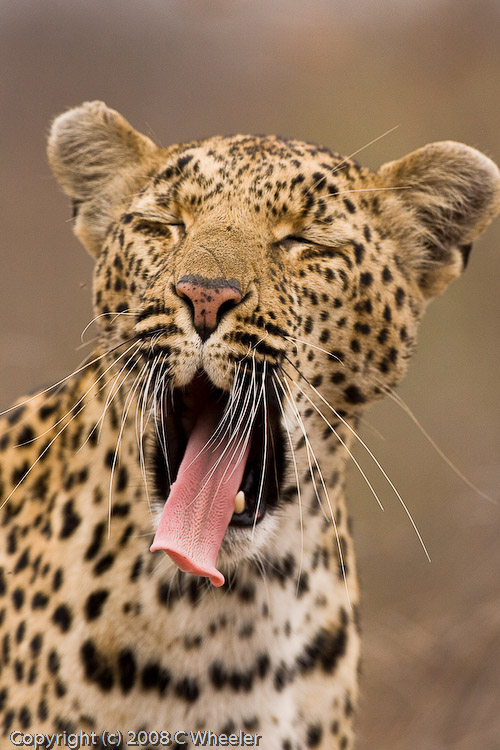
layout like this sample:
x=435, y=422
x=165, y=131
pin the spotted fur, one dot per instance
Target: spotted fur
x=335, y=265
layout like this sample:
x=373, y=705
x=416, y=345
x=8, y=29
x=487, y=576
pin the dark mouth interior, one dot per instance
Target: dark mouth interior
x=264, y=468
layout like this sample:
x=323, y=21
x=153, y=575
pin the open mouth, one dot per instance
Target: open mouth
x=218, y=463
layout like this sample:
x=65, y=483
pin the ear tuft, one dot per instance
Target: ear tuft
x=451, y=193
x=97, y=156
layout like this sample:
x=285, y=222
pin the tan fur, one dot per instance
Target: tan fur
x=336, y=265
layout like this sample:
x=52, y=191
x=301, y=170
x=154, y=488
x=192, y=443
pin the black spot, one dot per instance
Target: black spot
x=355, y=346
x=95, y=603
x=39, y=601
x=324, y=651
x=57, y=580
x=19, y=473
x=22, y=561
x=247, y=592
x=71, y=520
x=217, y=675
x=263, y=665
x=19, y=670
x=349, y=205
x=400, y=296
x=62, y=617
x=126, y=670
x=366, y=279
x=281, y=677
x=104, y=564
x=7, y=721
x=383, y=336
x=36, y=644
x=25, y=436
x=96, y=668
x=183, y=160
x=20, y=631
x=6, y=649
x=150, y=676
x=303, y=584
x=15, y=415
x=359, y=252
x=325, y=335
x=53, y=662
x=187, y=689
x=96, y=542
x=43, y=710
x=136, y=569
x=122, y=479
x=24, y=717
x=314, y=735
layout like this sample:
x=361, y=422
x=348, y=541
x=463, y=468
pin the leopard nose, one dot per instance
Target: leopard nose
x=209, y=299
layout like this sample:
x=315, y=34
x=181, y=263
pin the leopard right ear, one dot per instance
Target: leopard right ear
x=99, y=160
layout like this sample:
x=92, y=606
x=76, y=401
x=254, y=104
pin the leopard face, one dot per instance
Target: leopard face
x=263, y=276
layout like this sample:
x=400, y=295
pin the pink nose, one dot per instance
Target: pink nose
x=209, y=299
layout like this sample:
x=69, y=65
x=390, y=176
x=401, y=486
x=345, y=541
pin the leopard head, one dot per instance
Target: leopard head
x=259, y=287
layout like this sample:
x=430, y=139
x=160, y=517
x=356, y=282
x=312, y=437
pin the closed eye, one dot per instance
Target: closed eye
x=156, y=228
x=295, y=239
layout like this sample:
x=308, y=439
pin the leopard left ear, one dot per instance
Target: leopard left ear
x=99, y=160
x=451, y=193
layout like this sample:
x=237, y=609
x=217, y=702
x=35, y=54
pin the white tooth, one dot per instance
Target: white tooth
x=239, y=502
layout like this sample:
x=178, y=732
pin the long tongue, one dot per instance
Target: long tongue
x=201, y=500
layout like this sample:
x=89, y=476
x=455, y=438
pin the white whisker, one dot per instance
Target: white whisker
x=399, y=401
x=377, y=462
x=294, y=408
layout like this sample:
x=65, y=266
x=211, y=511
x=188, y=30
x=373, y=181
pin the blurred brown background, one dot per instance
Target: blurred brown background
x=341, y=73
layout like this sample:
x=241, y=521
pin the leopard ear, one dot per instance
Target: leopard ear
x=99, y=160
x=451, y=193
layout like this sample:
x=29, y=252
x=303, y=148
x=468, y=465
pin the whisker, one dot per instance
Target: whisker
x=297, y=482
x=125, y=411
x=313, y=346
x=160, y=422
x=369, y=190
x=106, y=314
x=367, y=145
x=113, y=390
x=404, y=406
x=142, y=402
x=370, y=453
x=332, y=515
x=79, y=369
x=339, y=438
x=345, y=159
x=264, y=460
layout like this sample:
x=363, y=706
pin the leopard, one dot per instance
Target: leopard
x=177, y=565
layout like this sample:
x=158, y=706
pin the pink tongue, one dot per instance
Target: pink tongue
x=201, y=500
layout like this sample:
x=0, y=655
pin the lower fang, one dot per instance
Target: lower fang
x=239, y=502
